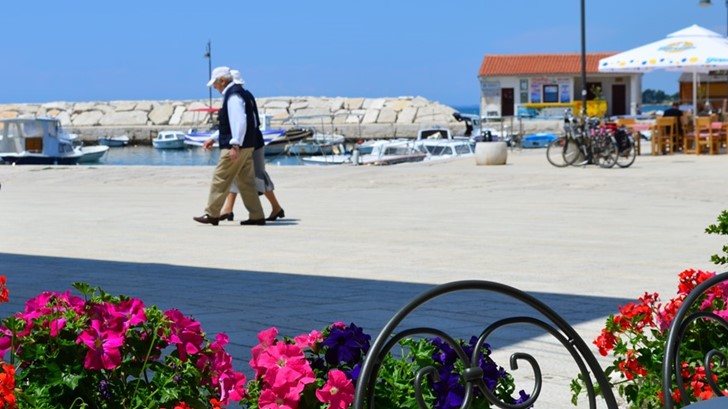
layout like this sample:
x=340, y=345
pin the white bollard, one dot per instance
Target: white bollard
x=491, y=153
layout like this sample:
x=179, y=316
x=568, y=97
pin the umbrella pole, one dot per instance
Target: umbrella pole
x=695, y=94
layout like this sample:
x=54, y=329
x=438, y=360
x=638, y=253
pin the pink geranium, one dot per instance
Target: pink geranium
x=103, y=346
x=338, y=391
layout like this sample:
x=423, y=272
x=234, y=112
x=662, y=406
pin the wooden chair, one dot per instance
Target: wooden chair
x=664, y=135
x=702, y=137
x=695, y=319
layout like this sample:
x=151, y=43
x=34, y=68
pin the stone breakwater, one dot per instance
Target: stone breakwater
x=354, y=118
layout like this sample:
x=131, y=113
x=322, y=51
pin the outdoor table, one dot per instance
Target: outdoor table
x=636, y=128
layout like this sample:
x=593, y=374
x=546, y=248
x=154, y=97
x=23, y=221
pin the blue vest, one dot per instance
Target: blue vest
x=253, y=136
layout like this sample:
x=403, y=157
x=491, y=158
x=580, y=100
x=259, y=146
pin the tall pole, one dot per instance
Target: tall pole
x=583, y=62
x=208, y=55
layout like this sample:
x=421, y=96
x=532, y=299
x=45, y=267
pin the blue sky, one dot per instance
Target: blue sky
x=133, y=50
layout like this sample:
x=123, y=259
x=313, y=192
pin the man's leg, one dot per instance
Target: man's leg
x=225, y=173
x=245, y=181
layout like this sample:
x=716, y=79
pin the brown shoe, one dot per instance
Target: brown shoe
x=207, y=219
x=257, y=222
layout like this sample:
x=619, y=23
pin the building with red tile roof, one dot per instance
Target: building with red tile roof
x=528, y=84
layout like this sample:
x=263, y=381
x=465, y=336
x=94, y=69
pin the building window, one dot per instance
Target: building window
x=550, y=93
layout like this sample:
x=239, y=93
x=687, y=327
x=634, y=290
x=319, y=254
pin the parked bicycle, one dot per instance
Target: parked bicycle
x=583, y=145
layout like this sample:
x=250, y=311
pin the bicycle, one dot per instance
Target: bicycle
x=626, y=146
x=583, y=145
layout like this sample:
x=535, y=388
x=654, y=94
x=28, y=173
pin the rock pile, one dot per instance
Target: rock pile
x=353, y=117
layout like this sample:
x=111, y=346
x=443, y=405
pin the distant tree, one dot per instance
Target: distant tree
x=651, y=96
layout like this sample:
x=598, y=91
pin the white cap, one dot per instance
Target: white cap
x=217, y=73
x=237, y=78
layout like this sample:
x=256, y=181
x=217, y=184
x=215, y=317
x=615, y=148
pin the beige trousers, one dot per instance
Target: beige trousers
x=240, y=172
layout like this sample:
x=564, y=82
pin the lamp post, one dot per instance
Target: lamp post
x=208, y=55
x=583, y=63
x=708, y=3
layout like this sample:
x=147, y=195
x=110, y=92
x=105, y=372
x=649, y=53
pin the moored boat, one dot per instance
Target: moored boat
x=169, y=140
x=36, y=141
x=538, y=140
x=93, y=153
x=114, y=141
x=438, y=143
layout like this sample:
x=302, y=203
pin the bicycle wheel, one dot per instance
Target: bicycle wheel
x=555, y=152
x=606, y=152
x=573, y=153
x=627, y=155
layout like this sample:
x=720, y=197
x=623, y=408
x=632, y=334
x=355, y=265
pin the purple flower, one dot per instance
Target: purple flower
x=345, y=345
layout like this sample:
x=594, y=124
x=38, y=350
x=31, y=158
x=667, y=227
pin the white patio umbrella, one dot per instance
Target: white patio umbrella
x=694, y=49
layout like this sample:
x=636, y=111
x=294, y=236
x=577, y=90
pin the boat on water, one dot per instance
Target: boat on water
x=538, y=140
x=93, y=153
x=439, y=143
x=319, y=144
x=390, y=152
x=36, y=141
x=169, y=140
x=114, y=141
x=278, y=143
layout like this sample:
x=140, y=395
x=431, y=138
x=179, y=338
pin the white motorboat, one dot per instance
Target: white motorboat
x=318, y=144
x=390, y=152
x=169, y=140
x=93, y=153
x=438, y=143
x=36, y=141
x=114, y=141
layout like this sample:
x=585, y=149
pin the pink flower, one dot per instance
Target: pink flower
x=185, y=333
x=267, y=338
x=271, y=400
x=309, y=340
x=131, y=311
x=338, y=391
x=103, y=346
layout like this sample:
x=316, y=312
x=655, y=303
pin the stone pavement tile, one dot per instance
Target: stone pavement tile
x=243, y=303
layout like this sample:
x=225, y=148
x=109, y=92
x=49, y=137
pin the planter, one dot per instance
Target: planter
x=491, y=153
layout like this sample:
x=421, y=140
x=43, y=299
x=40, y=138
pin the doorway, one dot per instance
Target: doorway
x=619, y=99
x=507, y=102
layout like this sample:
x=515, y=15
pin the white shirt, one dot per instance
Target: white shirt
x=237, y=117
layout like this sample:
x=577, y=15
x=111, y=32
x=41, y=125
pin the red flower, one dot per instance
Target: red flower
x=7, y=387
x=605, y=342
x=3, y=289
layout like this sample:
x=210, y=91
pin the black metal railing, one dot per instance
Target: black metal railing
x=536, y=314
x=713, y=355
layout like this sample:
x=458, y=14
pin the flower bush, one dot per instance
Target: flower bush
x=636, y=339
x=111, y=352
x=103, y=351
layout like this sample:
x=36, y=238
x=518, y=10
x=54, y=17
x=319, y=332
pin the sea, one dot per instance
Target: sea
x=145, y=155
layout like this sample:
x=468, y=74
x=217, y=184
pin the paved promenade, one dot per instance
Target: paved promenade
x=359, y=242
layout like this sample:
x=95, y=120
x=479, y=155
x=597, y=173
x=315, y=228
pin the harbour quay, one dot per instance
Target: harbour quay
x=355, y=118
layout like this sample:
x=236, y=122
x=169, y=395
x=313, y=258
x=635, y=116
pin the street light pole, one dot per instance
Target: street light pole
x=583, y=63
x=707, y=3
x=208, y=55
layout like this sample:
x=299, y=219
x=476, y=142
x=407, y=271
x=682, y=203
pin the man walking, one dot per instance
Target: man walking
x=237, y=125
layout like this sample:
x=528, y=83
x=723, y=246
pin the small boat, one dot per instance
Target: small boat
x=114, y=141
x=92, y=154
x=278, y=144
x=318, y=144
x=438, y=143
x=36, y=141
x=390, y=152
x=169, y=140
x=327, y=159
x=538, y=140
